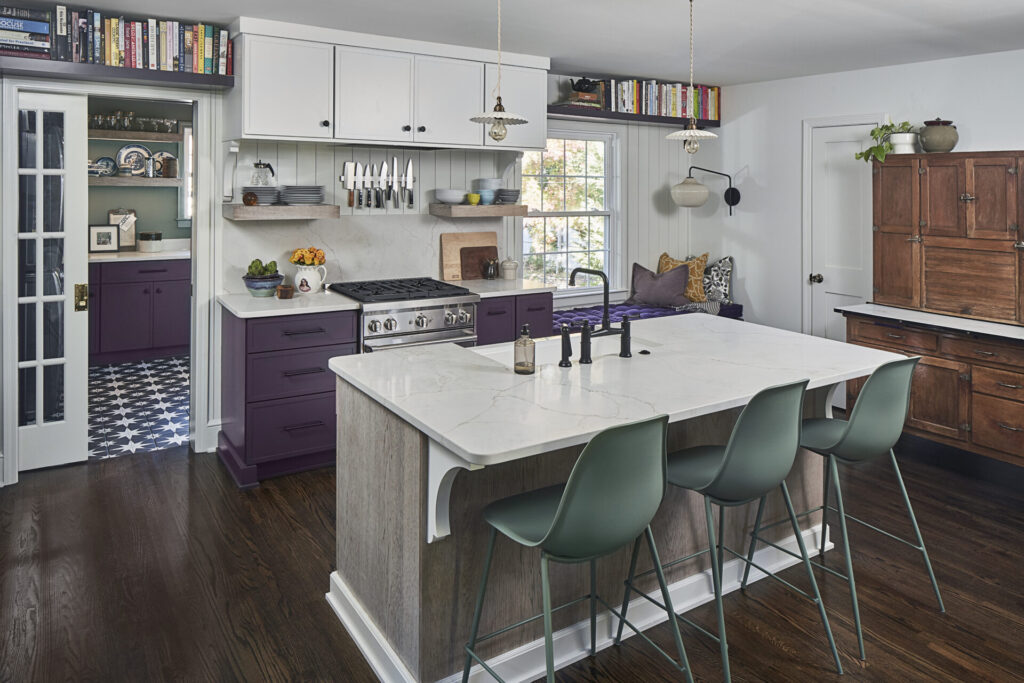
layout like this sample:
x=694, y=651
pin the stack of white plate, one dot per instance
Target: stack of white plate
x=267, y=195
x=302, y=194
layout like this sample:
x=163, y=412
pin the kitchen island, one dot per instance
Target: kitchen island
x=428, y=436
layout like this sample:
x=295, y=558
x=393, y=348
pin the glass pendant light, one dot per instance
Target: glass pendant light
x=691, y=135
x=498, y=117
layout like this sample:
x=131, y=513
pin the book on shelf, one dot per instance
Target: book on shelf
x=653, y=98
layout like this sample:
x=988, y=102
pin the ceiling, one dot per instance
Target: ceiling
x=737, y=41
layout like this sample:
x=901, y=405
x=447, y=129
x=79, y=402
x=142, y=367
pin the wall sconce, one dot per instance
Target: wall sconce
x=691, y=193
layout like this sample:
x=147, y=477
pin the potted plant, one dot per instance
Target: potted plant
x=262, y=280
x=890, y=138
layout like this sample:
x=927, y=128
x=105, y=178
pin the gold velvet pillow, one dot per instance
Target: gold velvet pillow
x=695, y=285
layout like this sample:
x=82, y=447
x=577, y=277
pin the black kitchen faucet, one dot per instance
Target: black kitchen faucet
x=606, y=323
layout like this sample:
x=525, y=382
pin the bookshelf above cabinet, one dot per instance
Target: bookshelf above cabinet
x=72, y=71
x=568, y=111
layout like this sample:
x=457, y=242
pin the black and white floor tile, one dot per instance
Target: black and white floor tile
x=138, y=407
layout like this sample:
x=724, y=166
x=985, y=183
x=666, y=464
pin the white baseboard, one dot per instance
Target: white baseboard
x=571, y=644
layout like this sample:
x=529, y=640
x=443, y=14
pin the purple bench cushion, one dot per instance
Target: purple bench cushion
x=574, y=317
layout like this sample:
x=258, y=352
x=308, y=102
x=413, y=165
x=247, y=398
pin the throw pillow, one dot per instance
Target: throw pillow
x=654, y=289
x=695, y=265
x=718, y=280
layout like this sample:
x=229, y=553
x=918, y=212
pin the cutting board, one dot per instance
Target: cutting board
x=451, y=250
x=474, y=260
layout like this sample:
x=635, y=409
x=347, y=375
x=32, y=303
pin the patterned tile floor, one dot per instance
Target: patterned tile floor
x=138, y=407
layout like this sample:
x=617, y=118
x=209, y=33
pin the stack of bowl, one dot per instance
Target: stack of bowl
x=489, y=183
x=508, y=196
x=266, y=194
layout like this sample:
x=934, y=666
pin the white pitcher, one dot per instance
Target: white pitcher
x=310, y=279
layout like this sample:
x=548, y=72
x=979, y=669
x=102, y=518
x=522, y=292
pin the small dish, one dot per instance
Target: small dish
x=106, y=165
x=134, y=156
x=473, y=198
x=487, y=197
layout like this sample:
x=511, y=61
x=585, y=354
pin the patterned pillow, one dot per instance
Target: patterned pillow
x=718, y=280
x=696, y=264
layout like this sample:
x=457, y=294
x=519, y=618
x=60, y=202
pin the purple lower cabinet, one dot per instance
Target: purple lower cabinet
x=537, y=311
x=126, y=314
x=496, y=320
x=172, y=313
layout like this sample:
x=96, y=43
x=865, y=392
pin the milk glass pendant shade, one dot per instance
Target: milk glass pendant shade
x=689, y=193
x=498, y=118
x=691, y=136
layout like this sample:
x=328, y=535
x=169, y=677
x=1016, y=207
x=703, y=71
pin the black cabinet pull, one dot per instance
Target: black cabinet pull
x=145, y=291
x=159, y=291
x=422, y=129
x=304, y=425
x=535, y=309
x=497, y=312
x=294, y=333
x=153, y=270
x=306, y=371
x=406, y=129
x=325, y=123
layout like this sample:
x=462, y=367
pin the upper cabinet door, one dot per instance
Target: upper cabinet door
x=448, y=93
x=523, y=91
x=992, y=213
x=288, y=87
x=943, y=182
x=897, y=241
x=373, y=95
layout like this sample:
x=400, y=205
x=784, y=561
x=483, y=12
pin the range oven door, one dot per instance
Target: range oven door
x=466, y=338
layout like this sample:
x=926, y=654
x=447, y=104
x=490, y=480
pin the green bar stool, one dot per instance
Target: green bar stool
x=875, y=425
x=611, y=496
x=759, y=455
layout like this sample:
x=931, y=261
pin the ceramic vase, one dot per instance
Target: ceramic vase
x=903, y=143
x=309, y=279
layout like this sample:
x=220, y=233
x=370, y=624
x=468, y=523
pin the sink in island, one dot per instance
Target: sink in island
x=428, y=436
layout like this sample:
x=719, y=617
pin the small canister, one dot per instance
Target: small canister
x=150, y=241
x=509, y=269
x=169, y=168
x=150, y=167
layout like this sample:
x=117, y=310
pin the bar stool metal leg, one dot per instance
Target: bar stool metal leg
x=834, y=469
x=479, y=604
x=549, y=651
x=716, y=579
x=668, y=605
x=917, y=531
x=753, y=542
x=629, y=586
x=824, y=511
x=593, y=606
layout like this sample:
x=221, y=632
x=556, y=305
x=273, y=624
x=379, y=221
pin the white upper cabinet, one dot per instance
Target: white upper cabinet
x=373, y=93
x=283, y=87
x=523, y=91
x=448, y=92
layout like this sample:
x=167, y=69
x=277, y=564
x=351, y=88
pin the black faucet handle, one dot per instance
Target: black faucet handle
x=585, y=358
x=566, y=348
x=624, y=339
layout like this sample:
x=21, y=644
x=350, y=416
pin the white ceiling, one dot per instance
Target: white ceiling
x=738, y=41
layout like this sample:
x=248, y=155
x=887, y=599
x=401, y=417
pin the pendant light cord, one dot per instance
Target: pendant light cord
x=690, y=93
x=497, y=87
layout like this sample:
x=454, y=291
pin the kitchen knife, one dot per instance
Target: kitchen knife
x=393, y=187
x=350, y=181
x=382, y=184
x=371, y=199
x=366, y=186
x=408, y=183
x=358, y=181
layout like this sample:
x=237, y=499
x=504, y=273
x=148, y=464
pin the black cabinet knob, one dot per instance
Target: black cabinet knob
x=159, y=291
x=325, y=123
x=406, y=128
x=422, y=129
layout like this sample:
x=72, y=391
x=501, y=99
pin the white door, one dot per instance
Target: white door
x=448, y=93
x=373, y=95
x=288, y=87
x=52, y=247
x=523, y=91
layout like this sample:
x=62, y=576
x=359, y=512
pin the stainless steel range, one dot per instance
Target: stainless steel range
x=412, y=311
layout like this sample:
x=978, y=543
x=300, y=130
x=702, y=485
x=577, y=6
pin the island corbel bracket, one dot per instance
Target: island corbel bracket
x=442, y=466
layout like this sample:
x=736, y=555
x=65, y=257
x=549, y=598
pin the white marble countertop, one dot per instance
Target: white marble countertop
x=127, y=256
x=249, y=306
x=492, y=288
x=1015, y=332
x=469, y=400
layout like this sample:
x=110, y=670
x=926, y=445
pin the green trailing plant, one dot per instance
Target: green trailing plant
x=882, y=146
x=258, y=269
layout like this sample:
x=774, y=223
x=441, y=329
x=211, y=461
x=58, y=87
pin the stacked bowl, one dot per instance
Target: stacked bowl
x=508, y=196
x=266, y=194
x=302, y=194
x=450, y=196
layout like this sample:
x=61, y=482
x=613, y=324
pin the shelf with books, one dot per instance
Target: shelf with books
x=569, y=111
x=45, y=68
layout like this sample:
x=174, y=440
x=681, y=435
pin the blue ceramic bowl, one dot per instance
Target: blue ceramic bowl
x=487, y=196
x=264, y=285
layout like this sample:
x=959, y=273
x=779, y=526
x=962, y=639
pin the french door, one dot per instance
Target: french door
x=52, y=276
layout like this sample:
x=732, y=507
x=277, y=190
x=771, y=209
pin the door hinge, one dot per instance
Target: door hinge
x=82, y=297
x=1019, y=245
x=923, y=224
x=965, y=427
x=1013, y=227
x=874, y=290
x=1012, y=170
x=965, y=377
x=921, y=170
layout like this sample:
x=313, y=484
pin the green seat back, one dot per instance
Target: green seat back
x=877, y=420
x=613, y=491
x=763, y=445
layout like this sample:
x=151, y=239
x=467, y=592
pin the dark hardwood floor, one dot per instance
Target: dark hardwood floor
x=155, y=567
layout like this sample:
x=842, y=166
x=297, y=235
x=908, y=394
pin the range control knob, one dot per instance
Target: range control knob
x=374, y=326
x=449, y=317
x=422, y=320
x=464, y=317
x=390, y=324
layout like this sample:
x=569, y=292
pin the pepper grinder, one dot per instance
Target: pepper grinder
x=624, y=339
x=585, y=344
x=566, y=348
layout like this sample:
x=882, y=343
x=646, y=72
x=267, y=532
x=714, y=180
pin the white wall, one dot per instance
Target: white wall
x=761, y=145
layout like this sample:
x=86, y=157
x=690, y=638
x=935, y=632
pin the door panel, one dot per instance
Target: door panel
x=496, y=320
x=51, y=355
x=897, y=273
x=373, y=95
x=942, y=184
x=288, y=87
x=172, y=313
x=523, y=91
x=940, y=397
x=981, y=283
x=896, y=196
x=126, y=314
x=993, y=184
x=448, y=92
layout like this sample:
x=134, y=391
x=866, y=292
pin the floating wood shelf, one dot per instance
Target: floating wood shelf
x=478, y=211
x=133, y=135
x=569, y=112
x=45, y=68
x=132, y=181
x=279, y=212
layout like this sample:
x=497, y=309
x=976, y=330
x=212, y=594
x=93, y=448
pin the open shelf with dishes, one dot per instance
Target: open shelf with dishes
x=134, y=135
x=133, y=181
x=281, y=212
x=477, y=211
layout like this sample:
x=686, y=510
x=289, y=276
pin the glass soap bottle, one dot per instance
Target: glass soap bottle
x=525, y=353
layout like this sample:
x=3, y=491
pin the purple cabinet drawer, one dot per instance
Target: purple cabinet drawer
x=537, y=311
x=496, y=320
x=279, y=374
x=146, y=271
x=289, y=427
x=300, y=331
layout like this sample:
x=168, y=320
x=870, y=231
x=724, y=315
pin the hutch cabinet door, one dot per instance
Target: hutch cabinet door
x=448, y=92
x=896, y=193
x=979, y=282
x=288, y=87
x=943, y=182
x=126, y=314
x=172, y=313
x=940, y=398
x=992, y=214
x=524, y=91
x=373, y=95
x=897, y=239
x=897, y=270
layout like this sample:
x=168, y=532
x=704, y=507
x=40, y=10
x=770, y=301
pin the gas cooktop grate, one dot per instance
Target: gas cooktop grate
x=403, y=289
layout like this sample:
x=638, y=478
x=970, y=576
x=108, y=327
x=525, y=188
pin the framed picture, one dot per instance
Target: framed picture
x=125, y=220
x=103, y=238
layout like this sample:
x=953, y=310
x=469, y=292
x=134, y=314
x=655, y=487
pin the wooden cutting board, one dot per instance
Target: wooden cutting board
x=474, y=260
x=451, y=250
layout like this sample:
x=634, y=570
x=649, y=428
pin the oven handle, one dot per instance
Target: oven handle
x=462, y=341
